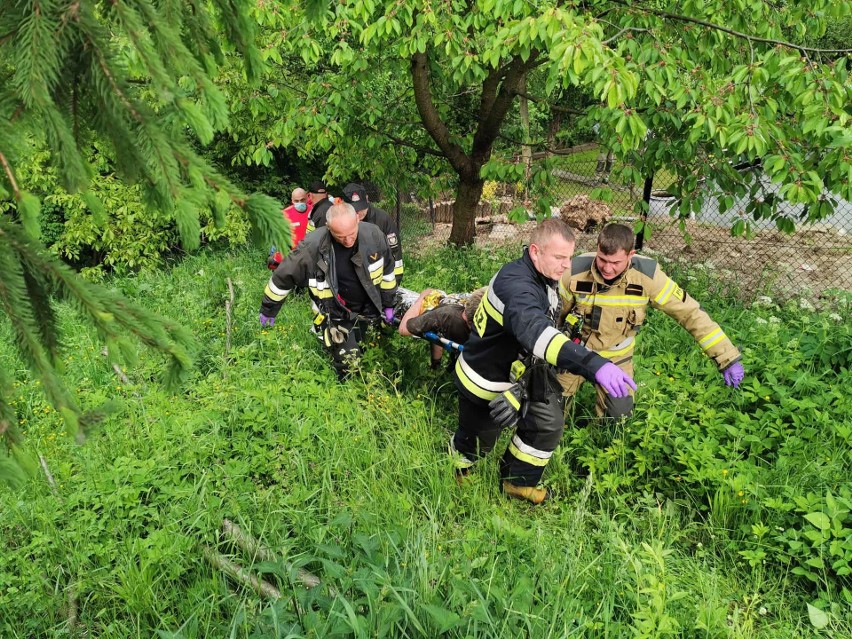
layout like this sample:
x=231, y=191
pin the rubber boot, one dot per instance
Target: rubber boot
x=462, y=466
x=532, y=494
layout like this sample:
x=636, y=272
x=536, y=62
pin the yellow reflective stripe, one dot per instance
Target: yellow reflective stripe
x=310, y=227
x=473, y=388
x=387, y=286
x=398, y=271
x=564, y=292
x=377, y=278
x=712, y=339
x=620, y=349
x=493, y=312
x=603, y=300
x=664, y=295
x=321, y=294
x=552, y=352
x=512, y=400
x=474, y=383
x=274, y=297
x=525, y=457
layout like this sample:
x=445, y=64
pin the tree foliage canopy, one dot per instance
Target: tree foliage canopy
x=133, y=77
x=429, y=86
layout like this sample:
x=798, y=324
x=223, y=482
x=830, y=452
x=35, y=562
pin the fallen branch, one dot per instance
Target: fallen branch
x=256, y=549
x=229, y=303
x=117, y=369
x=50, y=480
x=236, y=572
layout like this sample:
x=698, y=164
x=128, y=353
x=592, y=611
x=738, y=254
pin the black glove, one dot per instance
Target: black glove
x=506, y=407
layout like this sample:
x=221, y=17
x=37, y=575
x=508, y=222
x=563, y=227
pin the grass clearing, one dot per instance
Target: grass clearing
x=712, y=513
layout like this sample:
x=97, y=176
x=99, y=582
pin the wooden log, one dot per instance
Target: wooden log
x=50, y=480
x=256, y=549
x=238, y=573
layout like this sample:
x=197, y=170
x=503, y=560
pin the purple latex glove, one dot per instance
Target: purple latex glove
x=266, y=321
x=734, y=374
x=614, y=380
x=389, y=315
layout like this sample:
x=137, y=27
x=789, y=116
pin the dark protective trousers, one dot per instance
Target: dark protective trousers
x=346, y=353
x=536, y=437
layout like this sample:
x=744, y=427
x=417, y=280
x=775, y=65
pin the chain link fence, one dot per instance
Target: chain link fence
x=816, y=259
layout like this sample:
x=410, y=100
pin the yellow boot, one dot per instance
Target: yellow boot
x=532, y=494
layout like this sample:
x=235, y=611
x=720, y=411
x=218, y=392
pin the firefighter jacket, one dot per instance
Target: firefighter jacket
x=517, y=317
x=381, y=219
x=311, y=265
x=614, y=313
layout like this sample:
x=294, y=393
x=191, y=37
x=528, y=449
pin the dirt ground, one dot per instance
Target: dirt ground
x=807, y=263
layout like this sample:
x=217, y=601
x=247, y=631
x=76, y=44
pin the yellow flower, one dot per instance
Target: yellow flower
x=725, y=471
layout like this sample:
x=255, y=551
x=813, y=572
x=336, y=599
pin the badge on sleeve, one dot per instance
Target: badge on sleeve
x=392, y=240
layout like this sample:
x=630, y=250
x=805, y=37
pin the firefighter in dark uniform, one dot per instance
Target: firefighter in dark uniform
x=356, y=195
x=347, y=267
x=320, y=203
x=607, y=294
x=506, y=373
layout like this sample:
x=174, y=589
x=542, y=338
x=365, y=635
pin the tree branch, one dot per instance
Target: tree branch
x=553, y=107
x=489, y=127
x=10, y=175
x=718, y=27
x=432, y=121
x=411, y=145
x=622, y=32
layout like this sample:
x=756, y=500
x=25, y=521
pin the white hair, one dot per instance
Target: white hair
x=339, y=211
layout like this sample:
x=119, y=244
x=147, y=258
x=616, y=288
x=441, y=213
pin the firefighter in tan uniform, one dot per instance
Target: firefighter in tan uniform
x=606, y=295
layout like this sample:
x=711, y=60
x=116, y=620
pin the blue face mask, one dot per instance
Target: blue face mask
x=301, y=207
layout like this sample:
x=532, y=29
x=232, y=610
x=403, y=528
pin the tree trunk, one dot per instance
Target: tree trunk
x=464, y=210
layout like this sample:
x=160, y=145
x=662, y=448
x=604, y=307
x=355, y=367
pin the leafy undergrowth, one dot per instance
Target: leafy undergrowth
x=712, y=513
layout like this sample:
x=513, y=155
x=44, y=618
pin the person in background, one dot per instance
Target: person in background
x=298, y=214
x=448, y=316
x=347, y=268
x=320, y=203
x=606, y=295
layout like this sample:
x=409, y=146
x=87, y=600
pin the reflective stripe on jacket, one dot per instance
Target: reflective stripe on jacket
x=384, y=221
x=517, y=315
x=311, y=265
x=613, y=314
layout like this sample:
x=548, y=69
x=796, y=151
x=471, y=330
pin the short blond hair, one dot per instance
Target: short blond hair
x=550, y=227
x=473, y=301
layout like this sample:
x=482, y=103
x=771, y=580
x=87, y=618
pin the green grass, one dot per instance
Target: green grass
x=646, y=536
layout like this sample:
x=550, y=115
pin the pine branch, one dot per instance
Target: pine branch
x=10, y=176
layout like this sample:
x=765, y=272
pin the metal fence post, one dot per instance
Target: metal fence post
x=646, y=197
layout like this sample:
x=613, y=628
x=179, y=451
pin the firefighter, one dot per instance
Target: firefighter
x=347, y=267
x=606, y=294
x=356, y=195
x=506, y=374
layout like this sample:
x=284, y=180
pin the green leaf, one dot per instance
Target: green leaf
x=820, y=520
x=443, y=618
x=819, y=619
x=29, y=207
